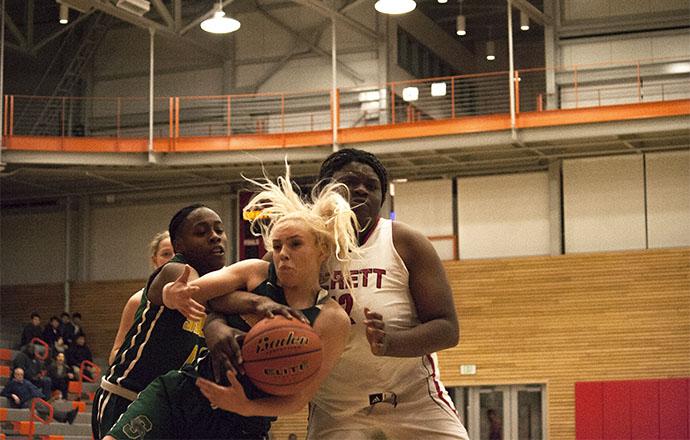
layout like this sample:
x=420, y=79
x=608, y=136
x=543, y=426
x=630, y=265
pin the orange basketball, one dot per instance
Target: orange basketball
x=281, y=354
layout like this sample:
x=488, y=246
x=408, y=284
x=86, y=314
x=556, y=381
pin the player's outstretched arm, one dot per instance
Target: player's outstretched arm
x=333, y=326
x=179, y=288
x=433, y=301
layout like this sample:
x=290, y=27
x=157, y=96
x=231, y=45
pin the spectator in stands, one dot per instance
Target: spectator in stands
x=78, y=353
x=60, y=374
x=76, y=323
x=58, y=347
x=160, y=251
x=32, y=330
x=67, y=328
x=52, y=331
x=21, y=392
x=32, y=366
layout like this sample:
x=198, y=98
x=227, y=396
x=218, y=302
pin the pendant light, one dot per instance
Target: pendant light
x=219, y=23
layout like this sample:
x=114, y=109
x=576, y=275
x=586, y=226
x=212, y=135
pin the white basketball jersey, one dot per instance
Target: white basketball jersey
x=380, y=283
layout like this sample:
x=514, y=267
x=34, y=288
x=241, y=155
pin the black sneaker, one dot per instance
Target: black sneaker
x=72, y=415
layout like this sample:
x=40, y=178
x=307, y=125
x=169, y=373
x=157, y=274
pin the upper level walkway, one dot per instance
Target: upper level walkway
x=455, y=125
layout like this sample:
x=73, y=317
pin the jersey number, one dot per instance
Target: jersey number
x=347, y=302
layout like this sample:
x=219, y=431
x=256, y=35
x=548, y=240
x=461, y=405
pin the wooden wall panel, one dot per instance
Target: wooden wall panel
x=17, y=303
x=558, y=320
x=551, y=320
x=100, y=304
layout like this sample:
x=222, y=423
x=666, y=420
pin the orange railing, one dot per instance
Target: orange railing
x=45, y=353
x=95, y=371
x=431, y=99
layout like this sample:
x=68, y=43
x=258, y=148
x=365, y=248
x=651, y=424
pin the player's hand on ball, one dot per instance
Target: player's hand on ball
x=376, y=332
x=267, y=308
x=230, y=398
x=178, y=296
x=226, y=351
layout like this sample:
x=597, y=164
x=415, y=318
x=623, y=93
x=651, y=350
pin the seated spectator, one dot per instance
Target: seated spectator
x=60, y=374
x=52, y=331
x=66, y=328
x=33, y=367
x=78, y=353
x=59, y=347
x=21, y=392
x=76, y=323
x=32, y=330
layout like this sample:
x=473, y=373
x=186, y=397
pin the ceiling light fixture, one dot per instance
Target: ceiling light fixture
x=443, y=1
x=395, y=7
x=490, y=50
x=219, y=23
x=460, y=28
x=64, y=14
x=524, y=21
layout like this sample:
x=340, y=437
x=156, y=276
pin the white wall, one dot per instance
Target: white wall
x=603, y=202
x=111, y=244
x=668, y=199
x=596, y=9
x=32, y=246
x=120, y=235
x=503, y=216
x=625, y=48
x=428, y=207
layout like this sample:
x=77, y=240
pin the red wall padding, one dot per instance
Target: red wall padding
x=635, y=409
x=617, y=410
x=644, y=409
x=673, y=409
x=589, y=410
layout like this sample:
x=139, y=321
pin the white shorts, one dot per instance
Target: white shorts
x=419, y=416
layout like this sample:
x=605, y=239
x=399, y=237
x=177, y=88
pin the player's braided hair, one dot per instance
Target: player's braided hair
x=178, y=220
x=340, y=158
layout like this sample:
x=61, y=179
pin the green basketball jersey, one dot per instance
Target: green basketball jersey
x=160, y=340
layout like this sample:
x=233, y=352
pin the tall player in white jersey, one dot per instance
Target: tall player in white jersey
x=386, y=384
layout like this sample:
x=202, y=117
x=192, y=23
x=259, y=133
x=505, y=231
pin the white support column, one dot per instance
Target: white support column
x=551, y=53
x=555, y=208
x=2, y=82
x=152, y=158
x=68, y=252
x=334, y=90
x=511, y=80
x=84, y=238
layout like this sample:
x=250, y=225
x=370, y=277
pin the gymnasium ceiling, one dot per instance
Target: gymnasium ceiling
x=31, y=177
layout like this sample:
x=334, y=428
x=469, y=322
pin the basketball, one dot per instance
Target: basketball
x=281, y=354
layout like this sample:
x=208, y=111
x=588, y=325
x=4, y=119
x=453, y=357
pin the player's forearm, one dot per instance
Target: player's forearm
x=429, y=337
x=236, y=302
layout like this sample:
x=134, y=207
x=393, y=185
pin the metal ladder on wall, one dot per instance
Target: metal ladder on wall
x=50, y=119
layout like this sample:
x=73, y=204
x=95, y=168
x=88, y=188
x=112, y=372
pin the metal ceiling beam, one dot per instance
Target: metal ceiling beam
x=344, y=67
x=62, y=30
x=534, y=13
x=163, y=12
x=332, y=13
x=146, y=23
x=14, y=30
x=177, y=11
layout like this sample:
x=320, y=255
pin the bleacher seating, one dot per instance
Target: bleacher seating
x=17, y=423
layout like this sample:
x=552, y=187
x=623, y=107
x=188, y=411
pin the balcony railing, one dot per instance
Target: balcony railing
x=433, y=99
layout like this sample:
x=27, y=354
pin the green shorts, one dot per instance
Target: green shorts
x=172, y=407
